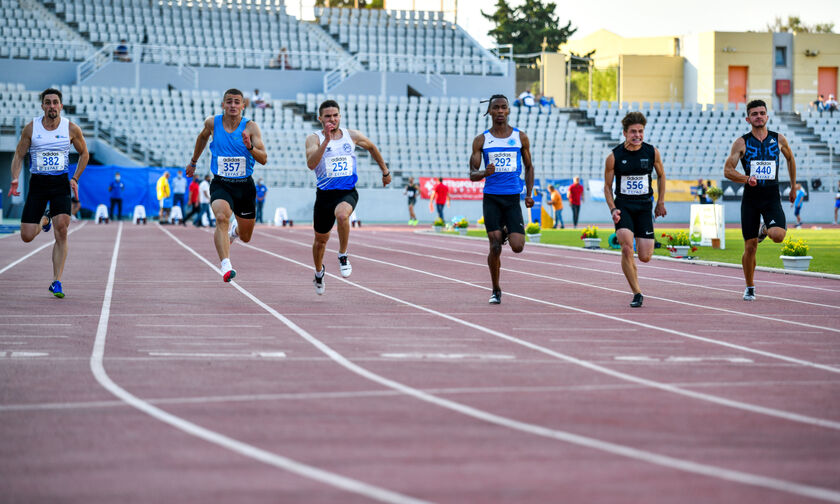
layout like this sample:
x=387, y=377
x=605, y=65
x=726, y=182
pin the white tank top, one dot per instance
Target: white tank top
x=49, y=151
x=337, y=169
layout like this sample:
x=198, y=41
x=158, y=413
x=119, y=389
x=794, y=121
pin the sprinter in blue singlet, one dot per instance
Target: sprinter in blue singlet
x=237, y=144
x=331, y=154
x=505, y=151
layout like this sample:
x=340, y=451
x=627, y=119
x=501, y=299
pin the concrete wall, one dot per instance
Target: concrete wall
x=554, y=76
x=783, y=72
x=752, y=50
x=609, y=46
x=827, y=45
x=650, y=78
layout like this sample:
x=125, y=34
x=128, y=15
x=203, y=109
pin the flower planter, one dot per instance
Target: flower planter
x=462, y=231
x=534, y=237
x=592, y=243
x=796, y=263
x=679, y=250
x=438, y=229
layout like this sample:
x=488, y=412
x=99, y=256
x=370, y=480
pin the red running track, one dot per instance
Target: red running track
x=153, y=381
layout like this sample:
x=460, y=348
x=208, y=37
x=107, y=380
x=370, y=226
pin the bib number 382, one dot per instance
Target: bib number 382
x=232, y=166
x=763, y=170
x=49, y=161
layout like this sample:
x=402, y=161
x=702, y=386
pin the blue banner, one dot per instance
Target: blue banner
x=140, y=187
x=562, y=186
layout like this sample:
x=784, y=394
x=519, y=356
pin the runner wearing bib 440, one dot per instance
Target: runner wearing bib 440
x=505, y=151
x=237, y=144
x=331, y=154
x=758, y=151
x=47, y=140
x=631, y=165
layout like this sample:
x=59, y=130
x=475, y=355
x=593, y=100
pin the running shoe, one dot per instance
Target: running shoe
x=762, y=233
x=55, y=288
x=504, y=234
x=637, y=300
x=233, y=232
x=344, y=266
x=496, y=297
x=46, y=227
x=228, y=273
x=749, y=294
x=319, y=282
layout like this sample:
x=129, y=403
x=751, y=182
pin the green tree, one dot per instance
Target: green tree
x=604, y=82
x=528, y=25
x=794, y=24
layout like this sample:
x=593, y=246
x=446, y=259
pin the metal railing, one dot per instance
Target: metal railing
x=51, y=50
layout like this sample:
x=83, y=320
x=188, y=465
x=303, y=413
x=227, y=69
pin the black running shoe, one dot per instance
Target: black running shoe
x=637, y=300
x=504, y=236
x=762, y=233
x=496, y=298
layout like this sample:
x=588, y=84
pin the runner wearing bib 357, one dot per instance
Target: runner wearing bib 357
x=237, y=144
x=758, y=151
x=47, y=140
x=331, y=153
x=505, y=151
x=631, y=164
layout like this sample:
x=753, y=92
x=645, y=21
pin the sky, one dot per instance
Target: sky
x=646, y=18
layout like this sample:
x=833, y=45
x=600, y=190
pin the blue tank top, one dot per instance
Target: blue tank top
x=231, y=159
x=506, y=155
x=761, y=159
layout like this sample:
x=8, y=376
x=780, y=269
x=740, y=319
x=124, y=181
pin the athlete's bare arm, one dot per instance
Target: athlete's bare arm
x=475, y=161
x=730, y=167
x=529, y=169
x=609, y=176
x=200, y=144
x=252, y=138
x=20, y=152
x=77, y=138
x=659, y=211
x=791, y=164
x=365, y=143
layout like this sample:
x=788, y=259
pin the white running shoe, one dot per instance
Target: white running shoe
x=344, y=266
x=228, y=273
x=762, y=233
x=319, y=282
x=749, y=294
x=233, y=232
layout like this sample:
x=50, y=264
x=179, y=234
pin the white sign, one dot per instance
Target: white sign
x=707, y=222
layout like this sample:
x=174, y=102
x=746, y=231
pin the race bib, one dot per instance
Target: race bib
x=634, y=184
x=232, y=167
x=503, y=161
x=763, y=170
x=52, y=161
x=339, y=166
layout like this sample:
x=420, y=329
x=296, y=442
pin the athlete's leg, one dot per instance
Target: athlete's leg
x=748, y=260
x=245, y=228
x=411, y=212
x=494, y=257
x=517, y=242
x=777, y=234
x=29, y=231
x=318, y=248
x=222, y=212
x=644, y=248
x=628, y=264
x=342, y=217
x=59, y=253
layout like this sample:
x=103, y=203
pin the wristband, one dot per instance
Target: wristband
x=613, y=209
x=74, y=178
x=385, y=174
x=250, y=148
x=192, y=163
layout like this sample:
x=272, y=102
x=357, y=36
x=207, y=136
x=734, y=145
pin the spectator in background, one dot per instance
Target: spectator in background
x=179, y=187
x=701, y=192
x=192, y=200
x=283, y=59
x=557, y=204
x=261, y=190
x=836, y=203
x=831, y=104
x=121, y=52
x=819, y=103
x=797, y=204
x=576, y=198
x=163, y=192
x=440, y=197
x=258, y=101
x=116, y=189
x=548, y=102
x=204, y=202
x=526, y=99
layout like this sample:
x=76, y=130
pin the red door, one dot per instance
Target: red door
x=738, y=84
x=827, y=81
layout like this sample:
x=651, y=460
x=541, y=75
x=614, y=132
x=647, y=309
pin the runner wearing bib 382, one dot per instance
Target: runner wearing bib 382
x=237, y=144
x=758, y=151
x=47, y=140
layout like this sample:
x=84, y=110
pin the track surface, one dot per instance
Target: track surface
x=154, y=381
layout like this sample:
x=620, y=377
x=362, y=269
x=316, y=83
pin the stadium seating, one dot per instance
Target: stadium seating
x=21, y=36
x=826, y=125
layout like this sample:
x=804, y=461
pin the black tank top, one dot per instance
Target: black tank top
x=633, y=171
x=757, y=151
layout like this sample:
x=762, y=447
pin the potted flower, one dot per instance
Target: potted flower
x=533, y=232
x=678, y=243
x=480, y=220
x=438, y=224
x=590, y=237
x=795, y=255
x=714, y=194
x=462, y=226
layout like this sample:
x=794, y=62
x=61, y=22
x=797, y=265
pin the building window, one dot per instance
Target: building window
x=781, y=57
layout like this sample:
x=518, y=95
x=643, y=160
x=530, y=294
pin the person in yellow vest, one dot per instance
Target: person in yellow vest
x=557, y=204
x=163, y=193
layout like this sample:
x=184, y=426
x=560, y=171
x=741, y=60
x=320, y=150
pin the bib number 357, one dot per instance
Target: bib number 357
x=232, y=166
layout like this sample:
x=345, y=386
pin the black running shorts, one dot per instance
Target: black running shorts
x=240, y=194
x=637, y=216
x=758, y=203
x=503, y=210
x=326, y=203
x=43, y=189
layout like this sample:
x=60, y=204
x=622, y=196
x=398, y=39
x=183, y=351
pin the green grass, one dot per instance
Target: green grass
x=824, y=246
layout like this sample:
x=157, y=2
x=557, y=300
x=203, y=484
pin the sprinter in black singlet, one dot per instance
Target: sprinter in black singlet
x=758, y=152
x=631, y=164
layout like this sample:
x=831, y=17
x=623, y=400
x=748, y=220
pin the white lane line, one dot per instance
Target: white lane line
x=279, y=461
x=276, y=355
x=31, y=324
x=588, y=312
x=202, y=338
x=641, y=277
x=196, y=325
x=42, y=247
x=22, y=355
x=32, y=336
x=613, y=448
x=447, y=356
x=644, y=358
